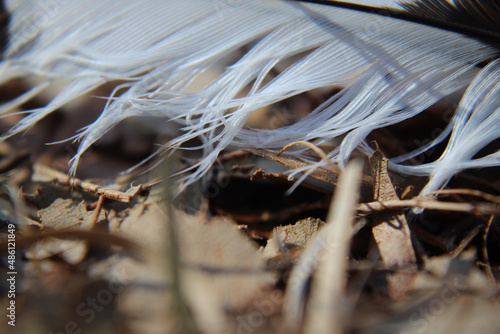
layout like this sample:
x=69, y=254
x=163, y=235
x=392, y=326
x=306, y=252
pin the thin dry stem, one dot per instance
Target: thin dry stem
x=314, y=148
x=428, y=204
x=92, y=188
x=469, y=192
x=488, y=270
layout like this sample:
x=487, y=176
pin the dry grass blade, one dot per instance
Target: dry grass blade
x=330, y=246
x=324, y=314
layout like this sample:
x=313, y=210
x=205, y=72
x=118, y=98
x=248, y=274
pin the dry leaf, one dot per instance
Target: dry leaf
x=220, y=267
x=321, y=173
x=391, y=232
x=291, y=238
x=63, y=214
x=325, y=173
x=225, y=257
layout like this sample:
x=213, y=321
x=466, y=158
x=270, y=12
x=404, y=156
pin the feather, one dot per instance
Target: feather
x=472, y=14
x=390, y=70
x=474, y=125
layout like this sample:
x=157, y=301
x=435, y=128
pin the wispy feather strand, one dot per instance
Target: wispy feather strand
x=390, y=69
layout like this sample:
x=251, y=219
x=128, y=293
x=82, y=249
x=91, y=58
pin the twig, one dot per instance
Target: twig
x=469, y=192
x=92, y=188
x=465, y=242
x=489, y=272
x=429, y=204
x=97, y=211
x=316, y=149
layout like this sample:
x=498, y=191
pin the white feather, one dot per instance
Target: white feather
x=476, y=123
x=390, y=69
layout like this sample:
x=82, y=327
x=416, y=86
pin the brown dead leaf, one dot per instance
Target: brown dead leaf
x=451, y=296
x=224, y=257
x=45, y=194
x=63, y=214
x=147, y=301
x=391, y=232
x=291, y=239
x=325, y=173
x=321, y=173
x=66, y=214
x=461, y=271
x=220, y=267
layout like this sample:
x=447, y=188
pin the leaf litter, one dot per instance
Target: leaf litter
x=105, y=257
